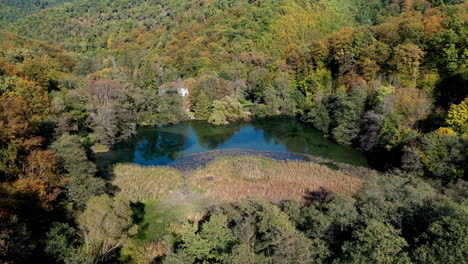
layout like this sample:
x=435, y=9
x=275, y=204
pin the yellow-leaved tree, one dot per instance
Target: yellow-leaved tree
x=457, y=117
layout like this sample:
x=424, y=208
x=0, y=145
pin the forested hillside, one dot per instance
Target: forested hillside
x=388, y=77
x=87, y=25
x=394, y=67
x=12, y=10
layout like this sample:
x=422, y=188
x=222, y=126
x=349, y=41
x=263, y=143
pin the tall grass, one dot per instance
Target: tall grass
x=138, y=183
x=232, y=179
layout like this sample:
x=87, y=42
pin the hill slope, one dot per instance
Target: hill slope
x=205, y=26
x=12, y=10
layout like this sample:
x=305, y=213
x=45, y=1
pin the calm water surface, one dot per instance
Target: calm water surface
x=163, y=145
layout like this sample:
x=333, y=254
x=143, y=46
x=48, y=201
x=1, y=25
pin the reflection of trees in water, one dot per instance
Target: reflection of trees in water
x=286, y=131
x=156, y=145
x=210, y=136
x=161, y=144
x=121, y=154
x=299, y=138
x=149, y=143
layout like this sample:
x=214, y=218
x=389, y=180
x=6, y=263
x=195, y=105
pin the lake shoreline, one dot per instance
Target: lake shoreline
x=195, y=143
x=192, y=162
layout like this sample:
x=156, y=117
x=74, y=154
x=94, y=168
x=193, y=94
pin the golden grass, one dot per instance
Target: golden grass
x=232, y=179
x=138, y=183
x=99, y=148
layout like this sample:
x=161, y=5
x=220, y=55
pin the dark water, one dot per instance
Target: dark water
x=164, y=145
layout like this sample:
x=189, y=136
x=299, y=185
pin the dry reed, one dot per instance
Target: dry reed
x=232, y=179
x=138, y=183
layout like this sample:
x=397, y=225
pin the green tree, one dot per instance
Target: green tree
x=106, y=225
x=243, y=254
x=202, y=107
x=82, y=184
x=375, y=243
x=211, y=243
x=72, y=155
x=258, y=80
x=272, y=234
x=62, y=244
x=343, y=211
x=347, y=110
x=392, y=200
x=445, y=241
x=308, y=219
x=225, y=111
x=443, y=155
x=81, y=188
x=319, y=116
x=411, y=159
x=283, y=89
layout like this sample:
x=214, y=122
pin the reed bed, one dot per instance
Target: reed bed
x=232, y=179
x=138, y=183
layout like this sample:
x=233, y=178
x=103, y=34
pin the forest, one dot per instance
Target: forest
x=386, y=77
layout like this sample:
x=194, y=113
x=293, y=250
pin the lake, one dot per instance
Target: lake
x=165, y=145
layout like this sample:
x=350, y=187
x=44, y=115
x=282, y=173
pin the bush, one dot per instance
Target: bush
x=225, y=111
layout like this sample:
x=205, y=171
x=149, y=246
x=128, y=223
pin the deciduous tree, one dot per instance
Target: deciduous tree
x=375, y=243
x=105, y=225
x=457, y=117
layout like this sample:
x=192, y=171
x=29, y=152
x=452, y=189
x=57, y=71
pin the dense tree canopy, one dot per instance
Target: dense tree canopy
x=388, y=77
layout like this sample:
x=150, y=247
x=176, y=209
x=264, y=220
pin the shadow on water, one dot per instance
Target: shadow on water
x=165, y=145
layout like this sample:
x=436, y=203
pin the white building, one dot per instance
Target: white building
x=183, y=91
x=174, y=86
